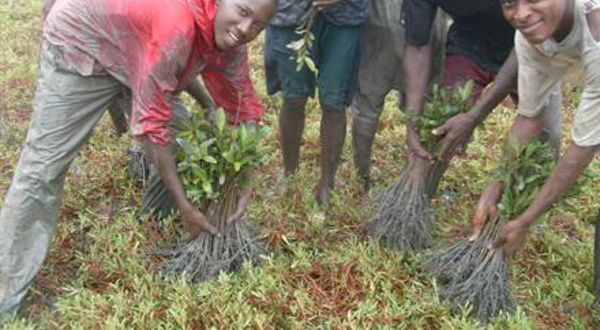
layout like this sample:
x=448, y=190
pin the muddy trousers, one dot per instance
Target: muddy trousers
x=66, y=107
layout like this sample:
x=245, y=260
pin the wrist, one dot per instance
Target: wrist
x=185, y=206
x=475, y=116
x=497, y=185
x=523, y=222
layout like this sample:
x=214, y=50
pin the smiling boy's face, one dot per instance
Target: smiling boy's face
x=537, y=20
x=240, y=21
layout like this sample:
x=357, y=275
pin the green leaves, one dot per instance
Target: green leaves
x=442, y=104
x=524, y=171
x=302, y=46
x=212, y=153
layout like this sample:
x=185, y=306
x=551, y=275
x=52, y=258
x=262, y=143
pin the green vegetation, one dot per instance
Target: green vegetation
x=212, y=154
x=404, y=216
x=472, y=274
x=442, y=104
x=524, y=171
x=302, y=47
x=319, y=273
x=214, y=161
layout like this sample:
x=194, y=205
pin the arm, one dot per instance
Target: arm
x=153, y=80
x=417, y=67
x=230, y=84
x=200, y=94
x=569, y=168
x=419, y=17
x=523, y=129
x=248, y=185
x=163, y=161
x=457, y=130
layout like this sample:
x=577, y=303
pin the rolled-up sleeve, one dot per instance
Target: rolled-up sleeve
x=227, y=78
x=154, y=80
x=586, y=124
x=418, y=17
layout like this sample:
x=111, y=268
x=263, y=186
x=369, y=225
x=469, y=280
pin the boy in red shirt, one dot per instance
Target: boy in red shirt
x=91, y=50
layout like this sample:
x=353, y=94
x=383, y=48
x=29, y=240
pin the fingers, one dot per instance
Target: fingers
x=199, y=224
x=448, y=148
x=478, y=222
x=442, y=130
x=420, y=152
x=483, y=214
x=235, y=216
x=498, y=242
x=207, y=227
x=241, y=206
x=193, y=230
x=415, y=149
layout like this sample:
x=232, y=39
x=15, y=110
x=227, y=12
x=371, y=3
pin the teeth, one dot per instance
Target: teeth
x=234, y=37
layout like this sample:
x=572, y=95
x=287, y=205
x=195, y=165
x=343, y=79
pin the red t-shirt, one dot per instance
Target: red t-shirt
x=156, y=48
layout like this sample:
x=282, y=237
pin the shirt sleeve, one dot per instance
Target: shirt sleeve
x=227, y=78
x=586, y=124
x=537, y=78
x=418, y=17
x=154, y=80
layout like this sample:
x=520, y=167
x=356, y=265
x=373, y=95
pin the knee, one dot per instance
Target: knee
x=295, y=103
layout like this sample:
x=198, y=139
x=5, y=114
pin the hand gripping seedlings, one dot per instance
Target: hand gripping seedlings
x=470, y=273
x=213, y=163
x=404, y=215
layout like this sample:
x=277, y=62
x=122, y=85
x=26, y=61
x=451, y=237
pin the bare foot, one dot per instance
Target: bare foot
x=322, y=194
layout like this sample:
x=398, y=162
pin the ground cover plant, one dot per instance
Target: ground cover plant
x=404, y=215
x=213, y=163
x=318, y=271
x=472, y=273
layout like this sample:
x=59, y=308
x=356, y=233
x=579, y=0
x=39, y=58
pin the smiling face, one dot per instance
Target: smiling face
x=240, y=21
x=537, y=20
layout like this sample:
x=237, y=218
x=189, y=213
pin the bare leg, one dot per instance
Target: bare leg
x=333, y=133
x=291, y=127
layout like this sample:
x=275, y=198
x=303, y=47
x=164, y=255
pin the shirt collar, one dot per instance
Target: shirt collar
x=204, y=12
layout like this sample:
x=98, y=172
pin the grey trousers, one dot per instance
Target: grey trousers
x=66, y=107
x=381, y=54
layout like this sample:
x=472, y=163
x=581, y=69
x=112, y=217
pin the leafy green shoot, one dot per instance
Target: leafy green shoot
x=304, y=44
x=524, y=170
x=212, y=153
x=442, y=104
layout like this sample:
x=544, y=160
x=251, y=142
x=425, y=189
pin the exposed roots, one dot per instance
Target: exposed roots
x=208, y=255
x=404, y=216
x=473, y=275
x=138, y=167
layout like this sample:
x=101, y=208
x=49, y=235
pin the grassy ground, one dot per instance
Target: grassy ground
x=319, y=273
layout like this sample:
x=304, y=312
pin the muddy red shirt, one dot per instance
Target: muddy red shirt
x=156, y=48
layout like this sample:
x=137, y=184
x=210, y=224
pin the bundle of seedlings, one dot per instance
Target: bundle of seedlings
x=213, y=163
x=404, y=216
x=471, y=273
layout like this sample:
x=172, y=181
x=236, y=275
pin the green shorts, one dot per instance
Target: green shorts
x=335, y=53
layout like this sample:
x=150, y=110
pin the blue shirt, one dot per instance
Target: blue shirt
x=479, y=30
x=291, y=13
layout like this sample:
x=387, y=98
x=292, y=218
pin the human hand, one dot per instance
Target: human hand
x=242, y=204
x=195, y=222
x=487, y=207
x=511, y=238
x=456, y=132
x=415, y=148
